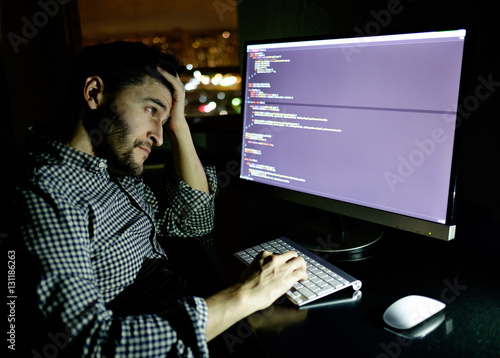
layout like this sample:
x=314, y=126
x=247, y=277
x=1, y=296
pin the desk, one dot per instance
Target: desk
x=462, y=273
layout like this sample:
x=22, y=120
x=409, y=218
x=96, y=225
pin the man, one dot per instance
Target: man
x=91, y=224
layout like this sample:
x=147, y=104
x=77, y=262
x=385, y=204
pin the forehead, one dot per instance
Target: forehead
x=149, y=88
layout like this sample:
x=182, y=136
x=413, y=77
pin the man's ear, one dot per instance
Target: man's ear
x=93, y=91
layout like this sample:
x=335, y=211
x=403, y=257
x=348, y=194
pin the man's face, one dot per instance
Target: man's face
x=138, y=114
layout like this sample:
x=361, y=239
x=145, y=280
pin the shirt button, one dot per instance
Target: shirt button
x=102, y=165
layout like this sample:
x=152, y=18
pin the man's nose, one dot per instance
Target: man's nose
x=156, y=134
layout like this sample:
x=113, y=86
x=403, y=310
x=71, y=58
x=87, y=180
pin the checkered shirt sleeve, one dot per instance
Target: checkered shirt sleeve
x=182, y=211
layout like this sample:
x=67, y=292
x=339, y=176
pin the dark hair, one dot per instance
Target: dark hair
x=119, y=64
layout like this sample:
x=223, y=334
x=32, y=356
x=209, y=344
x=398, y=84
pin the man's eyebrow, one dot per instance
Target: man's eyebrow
x=157, y=102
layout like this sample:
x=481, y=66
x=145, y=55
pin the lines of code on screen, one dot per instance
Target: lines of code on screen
x=351, y=128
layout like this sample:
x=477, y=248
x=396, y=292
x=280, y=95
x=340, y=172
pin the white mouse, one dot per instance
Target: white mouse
x=409, y=311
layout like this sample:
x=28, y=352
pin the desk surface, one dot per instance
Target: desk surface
x=462, y=273
x=470, y=328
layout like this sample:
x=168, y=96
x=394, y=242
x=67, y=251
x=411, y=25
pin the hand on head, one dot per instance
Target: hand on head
x=177, y=116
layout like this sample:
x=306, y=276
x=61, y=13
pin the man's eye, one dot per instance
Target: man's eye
x=151, y=110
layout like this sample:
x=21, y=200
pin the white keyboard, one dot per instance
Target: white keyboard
x=323, y=277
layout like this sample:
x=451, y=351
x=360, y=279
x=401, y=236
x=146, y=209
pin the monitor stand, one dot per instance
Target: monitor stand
x=337, y=235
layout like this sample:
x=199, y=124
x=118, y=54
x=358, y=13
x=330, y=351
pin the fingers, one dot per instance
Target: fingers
x=290, y=261
x=270, y=275
x=264, y=257
x=166, y=74
x=175, y=81
x=299, y=268
x=177, y=114
x=267, y=256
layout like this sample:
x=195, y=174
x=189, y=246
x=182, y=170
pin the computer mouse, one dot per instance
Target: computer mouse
x=409, y=311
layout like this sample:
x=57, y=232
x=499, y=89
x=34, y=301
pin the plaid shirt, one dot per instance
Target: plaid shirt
x=90, y=233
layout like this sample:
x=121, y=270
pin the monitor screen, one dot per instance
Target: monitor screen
x=362, y=126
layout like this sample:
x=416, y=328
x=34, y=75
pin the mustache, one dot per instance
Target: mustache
x=140, y=143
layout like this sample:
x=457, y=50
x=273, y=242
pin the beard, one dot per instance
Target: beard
x=111, y=139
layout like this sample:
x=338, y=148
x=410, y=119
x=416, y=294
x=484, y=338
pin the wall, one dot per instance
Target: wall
x=37, y=59
x=35, y=56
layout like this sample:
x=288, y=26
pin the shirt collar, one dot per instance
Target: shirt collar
x=44, y=149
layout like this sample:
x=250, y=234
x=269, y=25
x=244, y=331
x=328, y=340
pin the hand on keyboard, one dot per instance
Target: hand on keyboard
x=267, y=278
x=270, y=275
x=323, y=277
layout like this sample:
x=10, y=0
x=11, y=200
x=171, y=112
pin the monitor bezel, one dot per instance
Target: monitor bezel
x=443, y=231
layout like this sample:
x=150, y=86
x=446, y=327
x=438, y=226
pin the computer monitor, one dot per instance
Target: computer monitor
x=360, y=126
